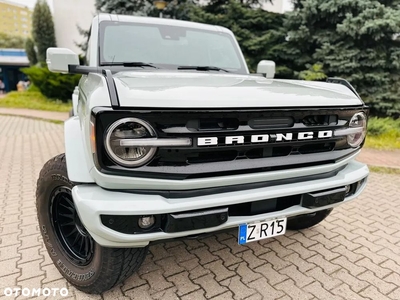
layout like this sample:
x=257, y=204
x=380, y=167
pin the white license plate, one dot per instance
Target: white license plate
x=261, y=230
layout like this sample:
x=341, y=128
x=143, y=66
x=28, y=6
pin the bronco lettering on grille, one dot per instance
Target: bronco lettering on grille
x=264, y=138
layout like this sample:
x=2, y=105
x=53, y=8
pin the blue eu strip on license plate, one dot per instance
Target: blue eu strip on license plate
x=242, y=234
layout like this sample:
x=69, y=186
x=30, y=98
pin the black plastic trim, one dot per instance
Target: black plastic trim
x=344, y=82
x=112, y=90
x=175, y=194
x=323, y=198
x=78, y=69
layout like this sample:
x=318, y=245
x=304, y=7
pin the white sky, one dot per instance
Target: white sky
x=30, y=3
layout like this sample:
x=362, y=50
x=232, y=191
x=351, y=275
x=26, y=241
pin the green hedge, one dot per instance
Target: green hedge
x=52, y=85
x=379, y=126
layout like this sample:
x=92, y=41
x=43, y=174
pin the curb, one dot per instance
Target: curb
x=384, y=169
x=56, y=121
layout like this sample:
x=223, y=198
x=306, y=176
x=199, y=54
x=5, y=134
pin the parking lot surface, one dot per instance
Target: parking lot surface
x=354, y=254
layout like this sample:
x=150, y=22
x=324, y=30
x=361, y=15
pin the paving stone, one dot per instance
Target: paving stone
x=239, y=289
x=183, y=283
x=320, y=292
x=210, y=285
x=276, y=262
x=345, y=292
x=272, y=276
x=326, y=265
x=204, y=255
x=328, y=282
x=383, y=286
x=156, y=281
x=30, y=269
x=227, y=257
x=221, y=272
x=199, y=294
x=290, y=289
x=300, y=263
x=299, y=278
x=247, y=275
x=373, y=293
x=169, y=266
x=354, y=282
x=194, y=268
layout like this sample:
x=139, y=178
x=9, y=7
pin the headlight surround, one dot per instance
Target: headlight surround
x=359, y=123
x=129, y=128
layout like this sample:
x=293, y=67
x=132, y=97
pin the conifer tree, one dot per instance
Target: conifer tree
x=353, y=39
x=43, y=29
x=31, y=52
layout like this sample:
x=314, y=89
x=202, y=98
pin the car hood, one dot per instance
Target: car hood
x=215, y=90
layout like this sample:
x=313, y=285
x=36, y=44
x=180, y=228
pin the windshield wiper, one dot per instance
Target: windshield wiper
x=131, y=64
x=202, y=68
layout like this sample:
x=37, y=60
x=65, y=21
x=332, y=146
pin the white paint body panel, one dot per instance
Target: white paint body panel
x=78, y=166
x=210, y=90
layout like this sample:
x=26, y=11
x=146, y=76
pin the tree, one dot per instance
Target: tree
x=31, y=52
x=43, y=29
x=257, y=31
x=124, y=7
x=11, y=41
x=177, y=9
x=353, y=39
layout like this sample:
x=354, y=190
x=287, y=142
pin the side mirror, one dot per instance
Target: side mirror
x=266, y=68
x=58, y=59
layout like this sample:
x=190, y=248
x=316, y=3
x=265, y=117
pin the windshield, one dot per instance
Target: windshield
x=167, y=47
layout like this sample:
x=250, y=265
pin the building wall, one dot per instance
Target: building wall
x=278, y=6
x=67, y=14
x=15, y=19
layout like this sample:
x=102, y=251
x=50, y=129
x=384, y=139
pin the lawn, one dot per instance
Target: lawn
x=33, y=100
x=383, y=134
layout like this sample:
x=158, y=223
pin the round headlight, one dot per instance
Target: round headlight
x=125, y=130
x=359, y=123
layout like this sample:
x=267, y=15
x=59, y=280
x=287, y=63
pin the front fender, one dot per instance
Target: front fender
x=77, y=166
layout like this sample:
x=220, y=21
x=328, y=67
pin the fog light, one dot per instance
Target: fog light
x=146, y=222
x=348, y=188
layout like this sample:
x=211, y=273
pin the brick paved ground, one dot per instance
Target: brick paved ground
x=375, y=157
x=354, y=254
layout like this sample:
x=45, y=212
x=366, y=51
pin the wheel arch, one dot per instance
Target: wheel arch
x=78, y=166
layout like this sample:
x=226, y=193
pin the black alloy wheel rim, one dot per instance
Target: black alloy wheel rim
x=70, y=232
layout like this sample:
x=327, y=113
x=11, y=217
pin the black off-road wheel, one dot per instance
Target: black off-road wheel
x=85, y=264
x=308, y=220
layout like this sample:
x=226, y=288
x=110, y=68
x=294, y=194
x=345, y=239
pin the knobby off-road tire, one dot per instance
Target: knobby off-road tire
x=85, y=264
x=307, y=221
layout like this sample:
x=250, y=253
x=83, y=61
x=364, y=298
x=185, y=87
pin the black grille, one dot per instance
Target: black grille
x=222, y=159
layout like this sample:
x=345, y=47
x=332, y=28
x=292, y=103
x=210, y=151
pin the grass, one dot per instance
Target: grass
x=384, y=170
x=383, y=134
x=33, y=100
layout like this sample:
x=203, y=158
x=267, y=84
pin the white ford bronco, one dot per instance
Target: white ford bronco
x=171, y=137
